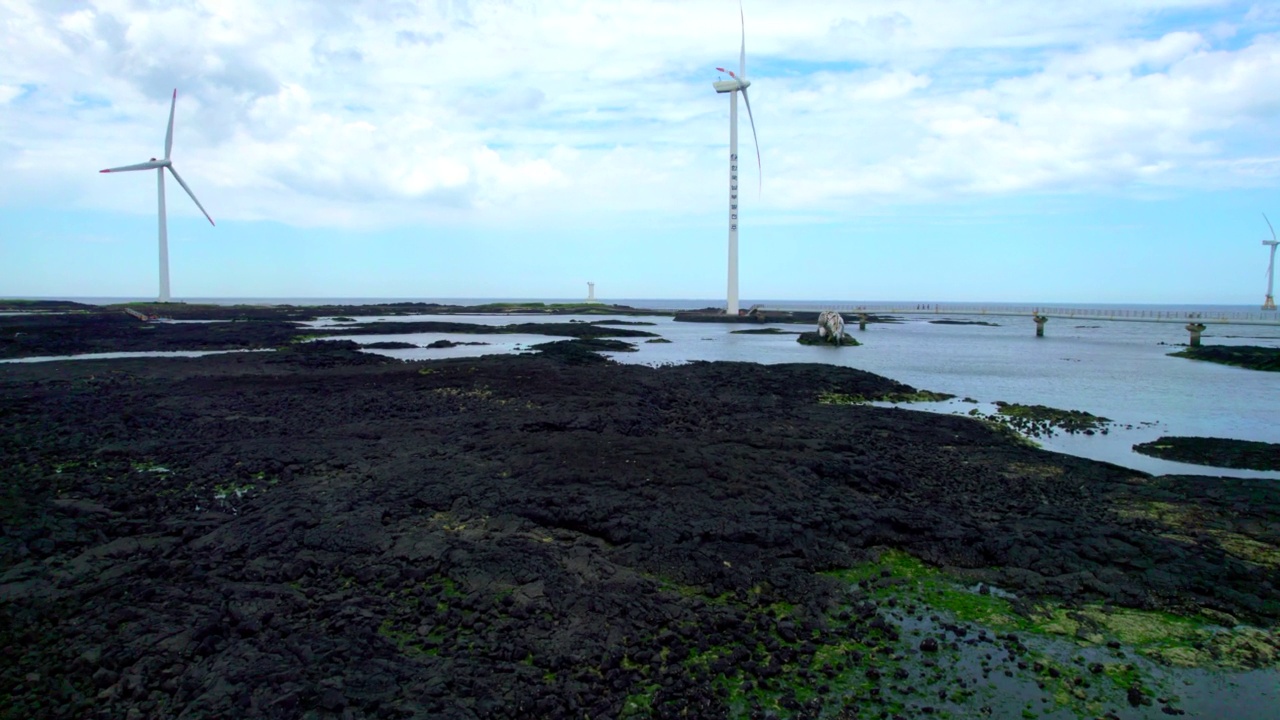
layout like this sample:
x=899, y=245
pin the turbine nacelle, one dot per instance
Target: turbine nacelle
x=151, y=164
x=724, y=86
x=737, y=83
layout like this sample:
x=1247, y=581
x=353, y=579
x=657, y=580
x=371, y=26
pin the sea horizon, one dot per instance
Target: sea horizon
x=657, y=303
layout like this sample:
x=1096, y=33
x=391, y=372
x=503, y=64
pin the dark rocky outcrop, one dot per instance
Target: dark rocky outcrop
x=1252, y=357
x=396, y=345
x=812, y=338
x=1215, y=452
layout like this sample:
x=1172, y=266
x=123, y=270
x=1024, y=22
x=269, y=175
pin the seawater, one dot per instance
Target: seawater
x=1119, y=370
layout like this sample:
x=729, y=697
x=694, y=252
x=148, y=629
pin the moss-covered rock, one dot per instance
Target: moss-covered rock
x=832, y=398
x=1043, y=421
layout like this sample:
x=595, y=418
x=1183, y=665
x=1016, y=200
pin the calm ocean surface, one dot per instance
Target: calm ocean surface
x=1117, y=369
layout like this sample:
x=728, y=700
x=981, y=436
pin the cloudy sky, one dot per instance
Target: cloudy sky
x=1004, y=150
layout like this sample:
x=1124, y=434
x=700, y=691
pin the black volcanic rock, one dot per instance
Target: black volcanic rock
x=1215, y=452
x=319, y=531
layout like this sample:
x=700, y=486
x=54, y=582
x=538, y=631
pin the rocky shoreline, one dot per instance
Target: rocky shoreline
x=325, y=533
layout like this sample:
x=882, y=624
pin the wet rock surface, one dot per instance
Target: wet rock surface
x=321, y=532
x=1252, y=357
x=442, y=344
x=1215, y=452
x=813, y=338
x=99, y=331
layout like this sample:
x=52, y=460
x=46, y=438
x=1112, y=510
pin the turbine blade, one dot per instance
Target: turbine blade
x=152, y=165
x=1273, y=230
x=759, y=167
x=178, y=177
x=742, y=56
x=168, y=136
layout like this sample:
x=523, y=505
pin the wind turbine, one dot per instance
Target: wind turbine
x=159, y=166
x=1270, y=303
x=738, y=83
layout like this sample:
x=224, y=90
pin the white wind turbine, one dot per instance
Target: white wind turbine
x=159, y=166
x=1270, y=302
x=738, y=83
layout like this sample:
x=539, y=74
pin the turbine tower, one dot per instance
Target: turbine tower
x=160, y=166
x=738, y=83
x=1270, y=302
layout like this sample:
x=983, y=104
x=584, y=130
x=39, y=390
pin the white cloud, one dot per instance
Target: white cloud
x=382, y=113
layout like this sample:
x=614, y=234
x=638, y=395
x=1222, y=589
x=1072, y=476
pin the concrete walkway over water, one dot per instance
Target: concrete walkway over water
x=850, y=311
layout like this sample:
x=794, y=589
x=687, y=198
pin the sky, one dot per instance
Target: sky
x=1084, y=151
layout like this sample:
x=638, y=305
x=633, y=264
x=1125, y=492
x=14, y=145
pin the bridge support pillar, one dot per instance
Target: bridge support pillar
x=1040, y=321
x=1195, y=329
x=862, y=321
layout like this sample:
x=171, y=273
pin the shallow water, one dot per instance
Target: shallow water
x=1116, y=446
x=120, y=355
x=1200, y=692
x=493, y=319
x=496, y=344
x=171, y=321
x=1119, y=370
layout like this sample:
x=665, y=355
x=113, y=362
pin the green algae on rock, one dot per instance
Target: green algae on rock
x=1064, y=649
x=1042, y=421
x=834, y=398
